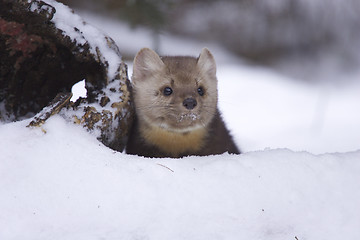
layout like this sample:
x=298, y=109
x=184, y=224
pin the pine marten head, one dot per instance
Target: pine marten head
x=177, y=94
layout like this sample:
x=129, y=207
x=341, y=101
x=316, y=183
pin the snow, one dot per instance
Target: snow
x=78, y=91
x=65, y=185
x=59, y=182
x=268, y=110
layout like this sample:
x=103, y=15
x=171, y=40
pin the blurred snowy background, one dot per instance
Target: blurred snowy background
x=322, y=35
x=288, y=70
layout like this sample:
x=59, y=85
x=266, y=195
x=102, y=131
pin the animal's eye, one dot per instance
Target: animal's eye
x=167, y=91
x=200, y=90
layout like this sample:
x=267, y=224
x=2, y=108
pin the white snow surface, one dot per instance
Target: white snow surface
x=267, y=110
x=288, y=184
x=65, y=185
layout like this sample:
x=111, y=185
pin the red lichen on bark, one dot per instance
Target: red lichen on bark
x=19, y=40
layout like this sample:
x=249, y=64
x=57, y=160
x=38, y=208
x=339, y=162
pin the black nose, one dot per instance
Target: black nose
x=189, y=103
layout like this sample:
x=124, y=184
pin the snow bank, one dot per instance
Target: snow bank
x=265, y=109
x=65, y=185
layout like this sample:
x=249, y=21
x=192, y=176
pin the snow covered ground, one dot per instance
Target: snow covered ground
x=267, y=110
x=64, y=184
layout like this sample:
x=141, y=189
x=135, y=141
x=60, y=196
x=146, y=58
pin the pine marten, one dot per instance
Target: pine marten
x=176, y=109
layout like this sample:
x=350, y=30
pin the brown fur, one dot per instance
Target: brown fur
x=164, y=126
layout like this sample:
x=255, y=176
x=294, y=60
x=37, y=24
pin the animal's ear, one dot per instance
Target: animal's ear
x=146, y=63
x=206, y=62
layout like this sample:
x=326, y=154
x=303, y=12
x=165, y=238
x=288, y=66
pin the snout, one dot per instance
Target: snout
x=190, y=103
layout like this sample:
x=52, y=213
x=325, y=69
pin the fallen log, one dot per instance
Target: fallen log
x=45, y=49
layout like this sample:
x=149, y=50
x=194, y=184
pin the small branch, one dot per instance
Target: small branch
x=165, y=167
x=54, y=107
